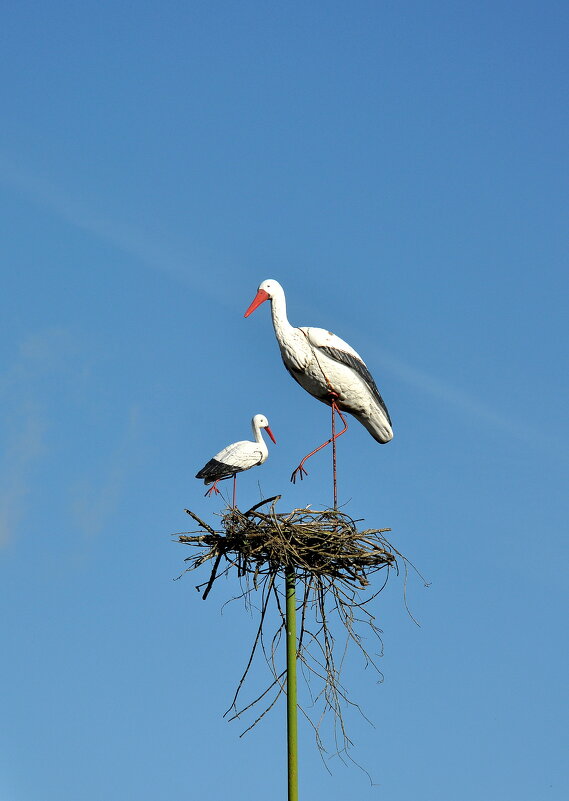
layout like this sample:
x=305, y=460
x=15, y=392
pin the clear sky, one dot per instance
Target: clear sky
x=401, y=168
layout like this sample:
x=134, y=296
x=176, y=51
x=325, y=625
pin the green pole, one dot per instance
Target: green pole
x=291, y=706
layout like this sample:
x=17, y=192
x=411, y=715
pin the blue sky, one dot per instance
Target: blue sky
x=401, y=168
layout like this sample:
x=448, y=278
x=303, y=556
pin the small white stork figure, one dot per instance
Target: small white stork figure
x=328, y=368
x=237, y=457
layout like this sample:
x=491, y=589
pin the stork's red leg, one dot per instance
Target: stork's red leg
x=301, y=470
x=213, y=489
x=234, y=490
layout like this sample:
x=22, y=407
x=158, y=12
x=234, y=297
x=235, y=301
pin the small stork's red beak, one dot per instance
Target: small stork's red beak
x=270, y=433
x=260, y=297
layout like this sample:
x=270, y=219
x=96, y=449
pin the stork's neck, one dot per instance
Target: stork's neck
x=295, y=350
x=257, y=433
x=283, y=329
x=259, y=438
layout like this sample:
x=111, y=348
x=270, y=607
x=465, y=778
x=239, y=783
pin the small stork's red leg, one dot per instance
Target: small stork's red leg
x=301, y=470
x=234, y=490
x=213, y=489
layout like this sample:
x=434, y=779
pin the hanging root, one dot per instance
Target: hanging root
x=333, y=562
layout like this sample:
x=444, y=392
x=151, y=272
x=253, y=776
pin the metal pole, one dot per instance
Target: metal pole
x=334, y=455
x=291, y=703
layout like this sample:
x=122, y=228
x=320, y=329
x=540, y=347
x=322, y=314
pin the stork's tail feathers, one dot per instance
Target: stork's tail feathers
x=382, y=432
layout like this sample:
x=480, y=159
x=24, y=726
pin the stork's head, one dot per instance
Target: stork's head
x=267, y=290
x=260, y=421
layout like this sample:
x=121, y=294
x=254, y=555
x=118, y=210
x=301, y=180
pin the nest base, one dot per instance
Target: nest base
x=316, y=543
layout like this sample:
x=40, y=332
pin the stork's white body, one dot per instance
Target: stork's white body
x=326, y=366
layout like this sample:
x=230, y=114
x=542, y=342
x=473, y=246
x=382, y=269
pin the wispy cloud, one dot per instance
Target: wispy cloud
x=23, y=448
x=133, y=241
x=443, y=390
x=95, y=501
x=41, y=354
x=464, y=403
x=46, y=362
x=440, y=391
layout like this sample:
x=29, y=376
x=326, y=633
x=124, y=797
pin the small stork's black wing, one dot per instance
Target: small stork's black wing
x=359, y=367
x=214, y=471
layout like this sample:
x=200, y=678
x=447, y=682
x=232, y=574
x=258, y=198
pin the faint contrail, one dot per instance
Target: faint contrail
x=125, y=238
x=442, y=390
x=446, y=393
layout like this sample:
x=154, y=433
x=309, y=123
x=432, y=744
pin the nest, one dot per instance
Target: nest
x=332, y=562
x=324, y=544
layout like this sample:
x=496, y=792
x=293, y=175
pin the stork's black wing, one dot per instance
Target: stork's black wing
x=359, y=367
x=215, y=470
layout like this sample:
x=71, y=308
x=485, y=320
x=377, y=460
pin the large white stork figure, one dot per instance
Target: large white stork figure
x=237, y=457
x=328, y=368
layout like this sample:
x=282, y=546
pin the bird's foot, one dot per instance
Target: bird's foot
x=213, y=489
x=301, y=470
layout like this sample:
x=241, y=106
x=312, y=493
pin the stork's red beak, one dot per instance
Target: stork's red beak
x=260, y=297
x=267, y=429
